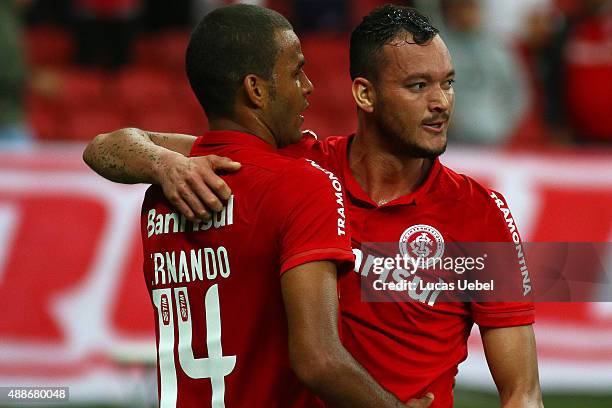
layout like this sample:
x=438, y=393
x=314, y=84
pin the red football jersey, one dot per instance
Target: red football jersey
x=215, y=286
x=414, y=347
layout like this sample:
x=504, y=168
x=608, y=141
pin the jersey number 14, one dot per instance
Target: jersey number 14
x=216, y=366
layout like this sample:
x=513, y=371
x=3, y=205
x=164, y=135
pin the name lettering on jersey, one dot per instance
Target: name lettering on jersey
x=337, y=186
x=415, y=288
x=172, y=223
x=517, y=242
x=189, y=266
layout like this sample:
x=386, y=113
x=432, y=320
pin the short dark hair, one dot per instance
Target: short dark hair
x=227, y=45
x=377, y=29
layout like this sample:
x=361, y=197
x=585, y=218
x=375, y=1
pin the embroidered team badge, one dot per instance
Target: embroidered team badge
x=423, y=242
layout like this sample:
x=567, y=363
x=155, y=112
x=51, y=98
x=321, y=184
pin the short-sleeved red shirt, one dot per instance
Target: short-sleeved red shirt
x=411, y=348
x=220, y=320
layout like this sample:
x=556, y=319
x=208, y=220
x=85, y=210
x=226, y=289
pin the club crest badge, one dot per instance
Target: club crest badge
x=423, y=242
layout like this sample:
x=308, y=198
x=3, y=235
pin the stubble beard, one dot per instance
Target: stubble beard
x=284, y=135
x=403, y=144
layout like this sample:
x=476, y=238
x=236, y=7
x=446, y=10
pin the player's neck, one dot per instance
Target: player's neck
x=245, y=126
x=384, y=175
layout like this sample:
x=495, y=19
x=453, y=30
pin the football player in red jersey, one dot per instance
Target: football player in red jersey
x=397, y=190
x=246, y=303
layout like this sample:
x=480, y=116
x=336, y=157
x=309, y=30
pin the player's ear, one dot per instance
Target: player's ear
x=364, y=95
x=256, y=90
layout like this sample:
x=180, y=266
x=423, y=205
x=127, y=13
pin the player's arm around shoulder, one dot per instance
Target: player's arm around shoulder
x=314, y=247
x=133, y=155
x=512, y=359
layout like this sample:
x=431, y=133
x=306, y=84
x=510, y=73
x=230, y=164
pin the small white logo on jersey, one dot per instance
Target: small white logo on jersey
x=423, y=242
x=338, y=194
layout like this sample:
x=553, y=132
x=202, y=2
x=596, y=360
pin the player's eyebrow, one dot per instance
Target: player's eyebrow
x=418, y=75
x=427, y=77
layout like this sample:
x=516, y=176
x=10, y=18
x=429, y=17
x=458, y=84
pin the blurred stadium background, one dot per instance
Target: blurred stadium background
x=533, y=120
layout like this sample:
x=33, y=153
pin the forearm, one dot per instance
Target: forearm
x=521, y=397
x=511, y=355
x=135, y=156
x=317, y=356
x=126, y=156
x=343, y=382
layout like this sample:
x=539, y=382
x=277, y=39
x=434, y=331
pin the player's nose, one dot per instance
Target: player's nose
x=440, y=101
x=307, y=85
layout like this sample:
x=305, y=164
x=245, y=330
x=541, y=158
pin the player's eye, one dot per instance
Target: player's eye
x=449, y=83
x=417, y=86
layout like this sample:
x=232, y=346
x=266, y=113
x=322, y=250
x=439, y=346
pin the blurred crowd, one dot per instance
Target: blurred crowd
x=530, y=73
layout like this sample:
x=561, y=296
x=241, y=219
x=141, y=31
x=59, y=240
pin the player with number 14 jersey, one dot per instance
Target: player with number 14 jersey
x=215, y=286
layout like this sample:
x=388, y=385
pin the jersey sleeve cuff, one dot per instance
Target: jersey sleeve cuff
x=194, y=146
x=506, y=318
x=343, y=258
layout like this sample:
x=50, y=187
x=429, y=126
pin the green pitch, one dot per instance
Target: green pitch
x=465, y=398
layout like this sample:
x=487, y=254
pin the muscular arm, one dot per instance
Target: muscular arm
x=136, y=156
x=317, y=356
x=512, y=359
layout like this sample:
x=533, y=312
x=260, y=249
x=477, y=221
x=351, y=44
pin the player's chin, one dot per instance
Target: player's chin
x=433, y=148
x=433, y=141
x=292, y=137
x=297, y=134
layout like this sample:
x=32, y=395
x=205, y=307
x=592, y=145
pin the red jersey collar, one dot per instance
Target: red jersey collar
x=232, y=137
x=354, y=189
